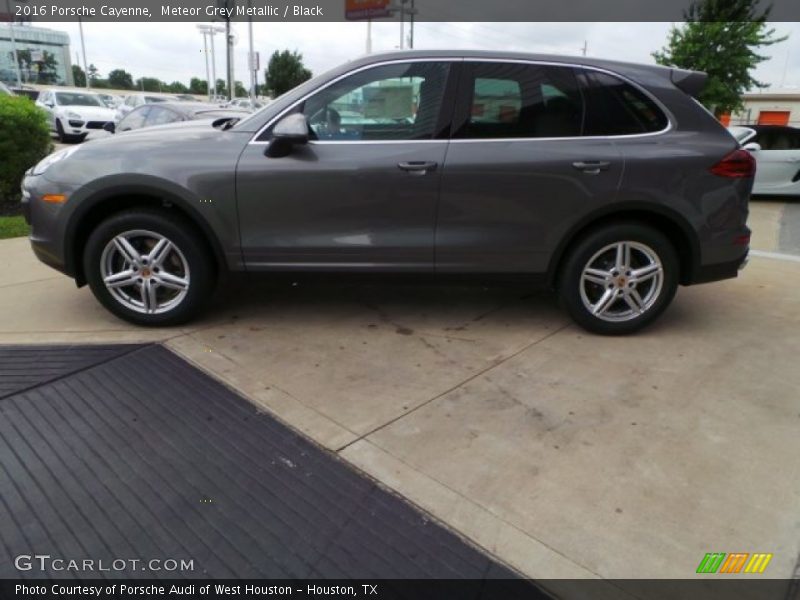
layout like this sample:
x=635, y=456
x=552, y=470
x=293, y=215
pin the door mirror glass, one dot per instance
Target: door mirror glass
x=109, y=127
x=290, y=131
x=752, y=147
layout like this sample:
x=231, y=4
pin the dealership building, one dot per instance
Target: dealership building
x=43, y=55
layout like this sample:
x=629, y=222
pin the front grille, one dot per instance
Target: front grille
x=75, y=123
x=95, y=124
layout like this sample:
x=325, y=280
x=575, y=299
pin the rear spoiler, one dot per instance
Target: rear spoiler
x=690, y=82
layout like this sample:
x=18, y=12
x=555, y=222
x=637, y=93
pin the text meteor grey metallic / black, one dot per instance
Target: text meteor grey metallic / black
x=607, y=181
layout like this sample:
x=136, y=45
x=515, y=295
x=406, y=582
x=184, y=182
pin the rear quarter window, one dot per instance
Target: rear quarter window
x=615, y=107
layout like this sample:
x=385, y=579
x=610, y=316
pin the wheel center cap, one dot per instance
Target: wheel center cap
x=621, y=281
x=145, y=272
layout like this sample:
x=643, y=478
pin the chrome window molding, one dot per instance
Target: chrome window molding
x=667, y=113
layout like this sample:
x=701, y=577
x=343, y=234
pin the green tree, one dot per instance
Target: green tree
x=176, y=87
x=198, y=86
x=722, y=38
x=239, y=90
x=150, y=84
x=94, y=73
x=120, y=79
x=222, y=87
x=78, y=76
x=285, y=71
x=24, y=141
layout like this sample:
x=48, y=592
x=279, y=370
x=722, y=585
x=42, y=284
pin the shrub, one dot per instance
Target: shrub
x=24, y=141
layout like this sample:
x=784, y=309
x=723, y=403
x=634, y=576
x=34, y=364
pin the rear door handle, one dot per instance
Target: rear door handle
x=417, y=167
x=592, y=167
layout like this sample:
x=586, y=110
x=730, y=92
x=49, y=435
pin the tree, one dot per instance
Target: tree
x=150, y=84
x=222, y=87
x=176, y=87
x=722, y=38
x=285, y=71
x=239, y=91
x=78, y=76
x=94, y=73
x=120, y=79
x=198, y=86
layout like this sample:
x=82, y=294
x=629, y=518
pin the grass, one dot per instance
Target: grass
x=11, y=227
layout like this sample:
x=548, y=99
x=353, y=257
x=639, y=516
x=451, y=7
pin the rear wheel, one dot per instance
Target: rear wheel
x=619, y=278
x=149, y=268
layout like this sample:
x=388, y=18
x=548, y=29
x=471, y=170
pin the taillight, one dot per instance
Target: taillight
x=739, y=163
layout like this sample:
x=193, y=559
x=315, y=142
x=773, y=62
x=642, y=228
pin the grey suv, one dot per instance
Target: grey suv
x=604, y=180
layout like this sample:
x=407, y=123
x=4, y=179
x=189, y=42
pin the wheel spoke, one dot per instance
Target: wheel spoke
x=604, y=303
x=597, y=276
x=173, y=282
x=646, y=273
x=148, y=293
x=127, y=251
x=634, y=300
x=121, y=279
x=623, y=255
x=160, y=251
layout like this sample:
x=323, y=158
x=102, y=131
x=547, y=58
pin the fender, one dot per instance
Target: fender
x=126, y=186
x=633, y=209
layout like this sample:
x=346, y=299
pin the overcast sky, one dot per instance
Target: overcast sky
x=174, y=51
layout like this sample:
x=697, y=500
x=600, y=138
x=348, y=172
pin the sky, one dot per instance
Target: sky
x=174, y=51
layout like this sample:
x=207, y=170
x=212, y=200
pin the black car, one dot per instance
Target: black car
x=164, y=113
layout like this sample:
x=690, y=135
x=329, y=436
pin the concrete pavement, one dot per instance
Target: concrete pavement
x=564, y=454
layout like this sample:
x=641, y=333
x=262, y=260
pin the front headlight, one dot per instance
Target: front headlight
x=48, y=161
x=73, y=115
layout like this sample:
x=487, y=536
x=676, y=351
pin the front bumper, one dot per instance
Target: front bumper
x=45, y=219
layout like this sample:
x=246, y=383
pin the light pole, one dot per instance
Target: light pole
x=14, y=44
x=212, y=30
x=208, y=75
x=252, y=63
x=83, y=50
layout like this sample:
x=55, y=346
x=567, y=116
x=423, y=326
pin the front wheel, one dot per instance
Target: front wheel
x=149, y=268
x=619, y=278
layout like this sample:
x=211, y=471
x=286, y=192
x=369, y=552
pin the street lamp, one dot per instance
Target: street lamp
x=211, y=31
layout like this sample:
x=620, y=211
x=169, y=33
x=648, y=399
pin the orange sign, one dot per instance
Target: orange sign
x=355, y=10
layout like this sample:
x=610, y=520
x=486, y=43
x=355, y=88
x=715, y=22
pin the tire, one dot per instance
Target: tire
x=62, y=137
x=619, y=278
x=162, y=276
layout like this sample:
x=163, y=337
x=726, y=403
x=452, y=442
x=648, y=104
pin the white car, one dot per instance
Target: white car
x=73, y=114
x=134, y=100
x=777, y=152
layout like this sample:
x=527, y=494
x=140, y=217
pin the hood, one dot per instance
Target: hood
x=89, y=113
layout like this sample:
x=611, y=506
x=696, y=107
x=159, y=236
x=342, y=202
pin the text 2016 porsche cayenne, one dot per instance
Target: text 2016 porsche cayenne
x=605, y=180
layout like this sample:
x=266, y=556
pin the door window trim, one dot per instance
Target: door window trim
x=450, y=140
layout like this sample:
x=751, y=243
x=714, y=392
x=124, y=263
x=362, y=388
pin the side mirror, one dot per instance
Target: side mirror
x=290, y=131
x=110, y=127
x=752, y=147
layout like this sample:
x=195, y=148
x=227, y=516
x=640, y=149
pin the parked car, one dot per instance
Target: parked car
x=110, y=100
x=167, y=112
x=73, y=114
x=133, y=100
x=245, y=103
x=604, y=180
x=777, y=152
x=185, y=98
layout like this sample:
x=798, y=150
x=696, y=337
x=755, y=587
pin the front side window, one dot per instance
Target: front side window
x=134, y=119
x=509, y=100
x=390, y=102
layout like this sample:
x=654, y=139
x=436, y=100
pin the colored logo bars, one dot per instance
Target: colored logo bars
x=737, y=562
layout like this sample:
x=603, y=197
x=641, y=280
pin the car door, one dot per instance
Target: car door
x=362, y=193
x=518, y=173
x=778, y=160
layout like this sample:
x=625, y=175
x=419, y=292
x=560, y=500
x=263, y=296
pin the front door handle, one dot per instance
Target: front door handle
x=417, y=167
x=592, y=167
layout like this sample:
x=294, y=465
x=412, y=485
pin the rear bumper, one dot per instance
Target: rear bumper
x=720, y=271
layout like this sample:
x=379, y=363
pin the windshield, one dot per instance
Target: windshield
x=152, y=99
x=77, y=99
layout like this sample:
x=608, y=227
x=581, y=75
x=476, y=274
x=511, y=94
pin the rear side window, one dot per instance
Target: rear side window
x=508, y=100
x=614, y=107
